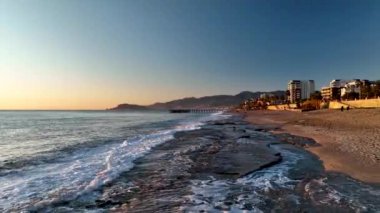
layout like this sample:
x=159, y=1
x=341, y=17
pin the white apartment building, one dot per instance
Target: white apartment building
x=299, y=90
x=338, y=83
x=307, y=88
x=346, y=86
x=351, y=86
x=294, y=88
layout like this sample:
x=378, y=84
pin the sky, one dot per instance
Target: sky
x=92, y=54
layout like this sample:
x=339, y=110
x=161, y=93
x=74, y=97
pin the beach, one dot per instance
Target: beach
x=349, y=140
x=163, y=162
x=231, y=165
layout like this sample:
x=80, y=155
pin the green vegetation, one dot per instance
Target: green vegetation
x=369, y=90
x=350, y=96
x=376, y=89
x=316, y=96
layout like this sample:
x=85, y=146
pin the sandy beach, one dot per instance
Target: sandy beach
x=350, y=140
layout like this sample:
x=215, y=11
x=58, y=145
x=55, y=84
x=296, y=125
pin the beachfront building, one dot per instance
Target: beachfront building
x=335, y=89
x=307, y=88
x=294, y=88
x=351, y=87
x=298, y=90
x=339, y=89
x=266, y=95
x=337, y=83
x=326, y=93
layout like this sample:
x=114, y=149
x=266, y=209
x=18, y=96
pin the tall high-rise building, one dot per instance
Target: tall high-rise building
x=294, y=88
x=307, y=88
x=299, y=90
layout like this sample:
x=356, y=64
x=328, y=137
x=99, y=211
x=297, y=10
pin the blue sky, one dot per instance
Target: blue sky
x=87, y=53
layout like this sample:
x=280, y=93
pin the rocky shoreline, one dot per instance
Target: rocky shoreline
x=230, y=165
x=167, y=172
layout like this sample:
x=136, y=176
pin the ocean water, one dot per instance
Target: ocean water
x=56, y=156
x=85, y=161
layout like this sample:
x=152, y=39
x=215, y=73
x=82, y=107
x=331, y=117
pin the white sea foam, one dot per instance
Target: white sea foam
x=85, y=170
x=212, y=195
x=251, y=192
x=321, y=192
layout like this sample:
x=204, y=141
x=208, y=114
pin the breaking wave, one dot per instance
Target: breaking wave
x=80, y=173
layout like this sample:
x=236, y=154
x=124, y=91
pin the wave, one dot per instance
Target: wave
x=272, y=188
x=213, y=195
x=61, y=151
x=39, y=186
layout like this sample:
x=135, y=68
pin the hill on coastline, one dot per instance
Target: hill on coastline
x=202, y=102
x=129, y=107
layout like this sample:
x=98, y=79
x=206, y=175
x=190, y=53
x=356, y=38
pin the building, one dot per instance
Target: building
x=326, y=93
x=339, y=88
x=299, y=90
x=353, y=86
x=337, y=83
x=336, y=87
x=266, y=95
x=294, y=88
x=307, y=88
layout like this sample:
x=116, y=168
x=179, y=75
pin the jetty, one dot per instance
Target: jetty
x=208, y=110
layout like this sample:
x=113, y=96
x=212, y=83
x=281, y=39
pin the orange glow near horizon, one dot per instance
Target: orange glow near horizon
x=27, y=90
x=71, y=97
x=70, y=101
x=21, y=90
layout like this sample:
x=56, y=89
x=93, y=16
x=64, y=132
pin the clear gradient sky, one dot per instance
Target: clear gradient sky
x=91, y=54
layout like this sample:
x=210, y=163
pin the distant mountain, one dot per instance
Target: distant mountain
x=203, y=102
x=129, y=107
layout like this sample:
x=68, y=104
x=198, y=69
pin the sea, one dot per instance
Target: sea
x=52, y=158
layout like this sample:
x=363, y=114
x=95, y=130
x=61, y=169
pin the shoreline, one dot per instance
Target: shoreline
x=222, y=164
x=210, y=153
x=349, y=141
x=228, y=165
x=231, y=164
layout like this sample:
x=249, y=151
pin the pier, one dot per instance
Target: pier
x=210, y=110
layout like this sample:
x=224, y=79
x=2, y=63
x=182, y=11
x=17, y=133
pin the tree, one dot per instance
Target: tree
x=287, y=93
x=365, y=91
x=335, y=93
x=351, y=96
x=316, y=96
x=376, y=89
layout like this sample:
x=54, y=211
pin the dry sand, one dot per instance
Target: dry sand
x=350, y=140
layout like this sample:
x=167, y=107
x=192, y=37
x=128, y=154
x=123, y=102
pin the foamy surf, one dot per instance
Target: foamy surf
x=100, y=178
x=38, y=187
x=265, y=189
x=244, y=194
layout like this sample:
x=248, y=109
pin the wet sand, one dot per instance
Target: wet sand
x=350, y=140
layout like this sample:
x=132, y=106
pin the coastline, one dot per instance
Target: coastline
x=230, y=165
x=220, y=151
x=227, y=165
x=349, y=141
